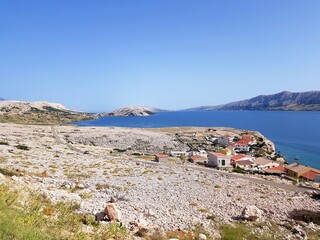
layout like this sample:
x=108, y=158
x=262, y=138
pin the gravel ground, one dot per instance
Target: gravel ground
x=168, y=196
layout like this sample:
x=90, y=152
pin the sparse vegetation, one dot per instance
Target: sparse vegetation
x=23, y=147
x=40, y=219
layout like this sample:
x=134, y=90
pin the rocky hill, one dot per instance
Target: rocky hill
x=299, y=101
x=38, y=113
x=134, y=111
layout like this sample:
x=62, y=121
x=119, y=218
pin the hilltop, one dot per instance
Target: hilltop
x=134, y=111
x=298, y=101
x=38, y=113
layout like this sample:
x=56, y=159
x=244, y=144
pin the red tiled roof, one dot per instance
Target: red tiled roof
x=238, y=157
x=162, y=156
x=197, y=156
x=278, y=169
x=218, y=154
x=310, y=175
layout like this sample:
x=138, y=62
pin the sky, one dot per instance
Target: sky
x=170, y=54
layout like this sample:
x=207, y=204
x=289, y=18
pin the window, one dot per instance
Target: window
x=223, y=162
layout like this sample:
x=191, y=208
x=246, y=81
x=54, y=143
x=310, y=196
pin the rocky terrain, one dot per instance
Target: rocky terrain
x=170, y=197
x=134, y=111
x=38, y=113
x=299, y=101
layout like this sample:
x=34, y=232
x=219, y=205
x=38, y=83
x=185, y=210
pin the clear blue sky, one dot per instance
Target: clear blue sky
x=170, y=54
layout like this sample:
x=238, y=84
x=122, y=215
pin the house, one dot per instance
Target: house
x=198, y=159
x=199, y=152
x=239, y=157
x=161, y=158
x=264, y=163
x=178, y=153
x=296, y=170
x=241, y=147
x=244, y=164
x=225, y=151
x=219, y=160
x=279, y=170
x=222, y=140
x=311, y=175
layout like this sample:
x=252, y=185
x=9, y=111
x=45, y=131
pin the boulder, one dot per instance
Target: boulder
x=140, y=222
x=202, y=237
x=100, y=216
x=251, y=213
x=112, y=212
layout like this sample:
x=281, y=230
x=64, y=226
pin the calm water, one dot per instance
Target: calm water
x=294, y=133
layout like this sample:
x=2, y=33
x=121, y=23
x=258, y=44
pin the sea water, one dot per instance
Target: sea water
x=295, y=133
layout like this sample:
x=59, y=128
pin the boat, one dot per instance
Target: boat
x=296, y=158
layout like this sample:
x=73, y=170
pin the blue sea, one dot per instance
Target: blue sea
x=294, y=133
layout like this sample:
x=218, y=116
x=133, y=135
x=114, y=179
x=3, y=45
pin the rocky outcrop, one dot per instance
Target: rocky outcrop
x=112, y=212
x=38, y=113
x=134, y=111
x=299, y=101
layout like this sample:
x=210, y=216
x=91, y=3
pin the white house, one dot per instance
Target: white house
x=218, y=160
x=178, y=153
x=200, y=152
x=241, y=148
x=264, y=163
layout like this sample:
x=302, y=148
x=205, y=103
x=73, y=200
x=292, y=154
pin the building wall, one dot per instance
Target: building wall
x=215, y=161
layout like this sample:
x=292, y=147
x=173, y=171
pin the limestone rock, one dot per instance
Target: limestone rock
x=251, y=213
x=112, y=212
x=202, y=237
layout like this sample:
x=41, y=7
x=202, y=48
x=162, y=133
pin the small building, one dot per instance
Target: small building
x=311, y=175
x=219, y=160
x=264, y=163
x=198, y=159
x=223, y=140
x=241, y=147
x=199, y=152
x=296, y=170
x=225, y=151
x=244, y=164
x=161, y=158
x=178, y=153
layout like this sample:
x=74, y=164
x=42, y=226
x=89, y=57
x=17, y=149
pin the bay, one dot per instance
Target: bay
x=294, y=133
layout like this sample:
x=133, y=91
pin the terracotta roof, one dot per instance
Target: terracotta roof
x=197, y=157
x=244, y=162
x=240, y=156
x=278, y=169
x=310, y=175
x=262, y=161
x=162, y=156
x=218, y=154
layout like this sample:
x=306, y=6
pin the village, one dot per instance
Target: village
x=241, y=154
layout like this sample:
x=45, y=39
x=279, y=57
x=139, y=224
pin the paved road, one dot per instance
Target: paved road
x=198, y=168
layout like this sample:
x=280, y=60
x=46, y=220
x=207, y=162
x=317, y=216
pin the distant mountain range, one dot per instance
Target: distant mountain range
x=298, y=101
x=1, y=99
